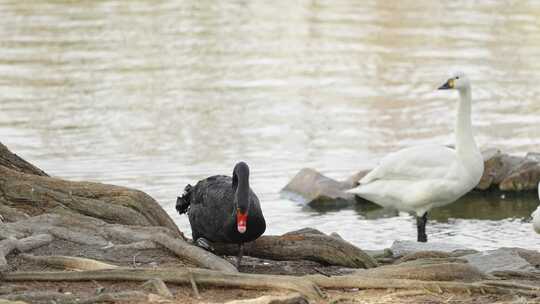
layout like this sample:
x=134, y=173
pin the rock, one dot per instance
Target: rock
x=12, y=161
x=531, y=256
x=533, y=156
x=510, y=173
x=353, y=180
x=28, y=191
x=314, y=188
x=525, y=177
x=497, y=166
x=502, y=259
x=403, y=248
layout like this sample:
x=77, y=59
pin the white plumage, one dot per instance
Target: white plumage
x=419, y=178
x=536, y=215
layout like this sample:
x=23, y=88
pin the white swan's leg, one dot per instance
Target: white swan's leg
x=421, y=222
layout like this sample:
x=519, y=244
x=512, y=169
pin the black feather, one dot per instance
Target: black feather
x=183, y=202
x=212, y=210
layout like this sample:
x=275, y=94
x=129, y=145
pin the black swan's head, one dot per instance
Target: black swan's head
x=240, y=186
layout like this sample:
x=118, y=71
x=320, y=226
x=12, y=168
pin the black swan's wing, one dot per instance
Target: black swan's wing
x=211, y=206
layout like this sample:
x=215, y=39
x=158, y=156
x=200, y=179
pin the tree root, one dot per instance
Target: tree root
x=357, y=281
x=194, y=286
x=305, y=244
x=22, y=245
x=158, y=286
x=425, y=270
x=113, y=297
x=306, y=285
x=2, y=301
x=293, y=298
x=58, y=297
x=507, y=274
x=94, y=232
x=177, y=276
x=140, y=245
x=194, y=254
x=66, y=262
x=512, y=285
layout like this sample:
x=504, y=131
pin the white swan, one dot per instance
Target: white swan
x=419, y=178
x=536, y=215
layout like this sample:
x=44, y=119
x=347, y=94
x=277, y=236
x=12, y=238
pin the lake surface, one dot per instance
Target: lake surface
x=157, y=94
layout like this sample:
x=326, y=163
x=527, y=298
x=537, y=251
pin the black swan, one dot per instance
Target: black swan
x=222, y=209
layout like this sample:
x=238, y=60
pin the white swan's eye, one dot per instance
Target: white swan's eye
x=457, y=77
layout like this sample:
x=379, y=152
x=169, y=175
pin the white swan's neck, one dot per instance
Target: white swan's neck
x=465, y=144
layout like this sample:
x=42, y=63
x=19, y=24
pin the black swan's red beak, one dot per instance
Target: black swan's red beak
x=241, y=221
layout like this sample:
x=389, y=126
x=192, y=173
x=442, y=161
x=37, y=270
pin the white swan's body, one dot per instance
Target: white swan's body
x=536, y=215
x=419, y=178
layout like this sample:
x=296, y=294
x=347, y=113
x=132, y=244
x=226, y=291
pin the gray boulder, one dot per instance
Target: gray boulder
x=497, y=166
x=314, y=188
x=508, y=172
x=524, y=177
x=504, y=259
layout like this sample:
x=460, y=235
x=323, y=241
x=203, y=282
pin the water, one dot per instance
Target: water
x=156, y=94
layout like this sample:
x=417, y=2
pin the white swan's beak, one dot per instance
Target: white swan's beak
x=449, y=84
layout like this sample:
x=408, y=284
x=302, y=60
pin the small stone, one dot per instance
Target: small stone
x=502, y=259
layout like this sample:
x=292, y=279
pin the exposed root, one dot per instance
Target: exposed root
x=94, y=232
x=305, y=244
x=22, y=245
x=194, y=286
x=140, y=245
x=178, y=276
x=66, y=262
x=286, y=299
x=356, y=281
x=513, y=285
x=158, y=286
x=507, y=274
x=194, y=254
x=59, y=298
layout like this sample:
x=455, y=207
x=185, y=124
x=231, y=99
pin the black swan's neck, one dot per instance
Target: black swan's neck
x=241, y=186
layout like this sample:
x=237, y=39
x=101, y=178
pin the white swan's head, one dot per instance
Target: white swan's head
x=457, y=81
